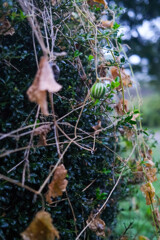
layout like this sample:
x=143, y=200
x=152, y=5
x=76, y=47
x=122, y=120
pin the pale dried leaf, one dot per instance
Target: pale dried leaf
x=58, y=184
x=44, y=129
x=44, y=81
x=41, y=228
x=149, y=192
x=107, y=24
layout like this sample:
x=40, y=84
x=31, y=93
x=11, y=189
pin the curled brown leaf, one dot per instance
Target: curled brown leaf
x=97, y=225
x=41, y=228
x=58, y=184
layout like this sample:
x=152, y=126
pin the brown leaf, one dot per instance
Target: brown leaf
x=44, y=81
x=41, y=228
x=126, y=80
x=5, y=27
x=97, y=225
x=98, y=126
x=58, y=184
x=44, y=129
x=101, y=2
x=149, y=192
x=120, y=109
x=151, y=174
x=42, y=133
x=107, y=24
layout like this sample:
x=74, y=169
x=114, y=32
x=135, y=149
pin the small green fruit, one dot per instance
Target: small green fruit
x=98, y=90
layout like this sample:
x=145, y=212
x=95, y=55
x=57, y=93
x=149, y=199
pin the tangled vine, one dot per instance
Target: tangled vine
x=83, y=37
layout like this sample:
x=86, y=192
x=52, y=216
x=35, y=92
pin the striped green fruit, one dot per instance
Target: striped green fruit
x=98, y=90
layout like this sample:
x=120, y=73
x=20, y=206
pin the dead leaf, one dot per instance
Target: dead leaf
x=42, y=133
x=149, y=192
x=44, y=129
x=97, y=225
x=120, y=109
x=41, y=228
x=126, y=80
x=97, y=127
x=151, y=174
x=101, y=2
x=107, y=24
x=58, y=184
x=5, y=27
x=44, y=81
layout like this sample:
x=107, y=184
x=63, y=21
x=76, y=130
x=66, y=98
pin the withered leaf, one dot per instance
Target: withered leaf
x=121, y=108
x=5, y=27
x=126, y=80
x=41, y=228
x=58, y=184
x=97, y=225
x=97, y=127
x=151, y=174
x=149, y=192
x=44, y=129
x=44, y=81
x=101, y=2
x=107, y=24
x=42, y=133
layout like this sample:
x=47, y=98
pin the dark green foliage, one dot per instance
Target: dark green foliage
x=18, y=206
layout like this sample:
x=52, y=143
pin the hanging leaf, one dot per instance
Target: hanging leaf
x=149, y=192
x=97, y=225
x=151, y=174
x=41, y=228
x=44, y=81
x=58, y=184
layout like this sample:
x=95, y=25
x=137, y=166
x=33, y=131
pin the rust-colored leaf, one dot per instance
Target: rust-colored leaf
x=41, y=228
x=151, y=174
x=44, y=81
x=58, y=184
x=149, y=192
x=97, y=225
